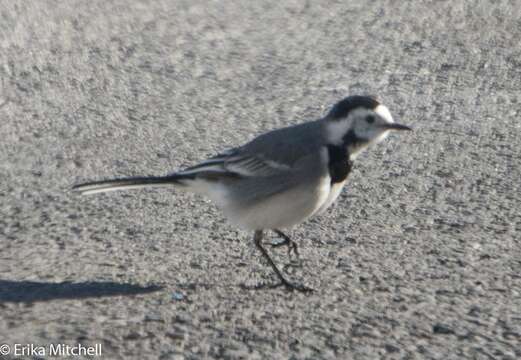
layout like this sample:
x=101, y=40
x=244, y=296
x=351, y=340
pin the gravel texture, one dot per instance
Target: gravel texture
x=419, y=259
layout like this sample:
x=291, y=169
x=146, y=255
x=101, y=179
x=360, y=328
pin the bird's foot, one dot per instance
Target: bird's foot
x=288, y=286
x=295, y=287
x=292, y=246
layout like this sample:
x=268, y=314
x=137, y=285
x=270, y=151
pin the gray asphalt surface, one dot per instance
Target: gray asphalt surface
x=419, y=259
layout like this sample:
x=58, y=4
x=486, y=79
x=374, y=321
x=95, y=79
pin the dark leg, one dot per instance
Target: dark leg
x=257, y=238
x=292, y=246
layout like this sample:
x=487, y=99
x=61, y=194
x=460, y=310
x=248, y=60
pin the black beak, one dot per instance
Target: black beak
x=395, y=126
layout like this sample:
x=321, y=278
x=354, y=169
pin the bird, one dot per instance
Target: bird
x=281, y=177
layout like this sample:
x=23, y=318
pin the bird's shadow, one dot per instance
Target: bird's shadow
x=30, y=291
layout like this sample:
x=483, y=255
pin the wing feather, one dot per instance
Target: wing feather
x=272, y=153
x=239, y=165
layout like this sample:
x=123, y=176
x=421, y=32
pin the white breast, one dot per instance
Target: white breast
x=281, y=211
x=334, y=192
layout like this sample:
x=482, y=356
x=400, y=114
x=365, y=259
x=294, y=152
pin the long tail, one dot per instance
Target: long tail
x=130, y=183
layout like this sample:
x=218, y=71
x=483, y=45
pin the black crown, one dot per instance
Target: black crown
x=344, y=107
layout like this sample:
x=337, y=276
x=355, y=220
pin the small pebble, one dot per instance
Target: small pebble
x=442, y=329
x=177, y=296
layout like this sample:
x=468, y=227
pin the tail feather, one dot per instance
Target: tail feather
x=128, y=183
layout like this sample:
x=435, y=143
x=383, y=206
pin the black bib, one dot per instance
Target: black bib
x=339, y=163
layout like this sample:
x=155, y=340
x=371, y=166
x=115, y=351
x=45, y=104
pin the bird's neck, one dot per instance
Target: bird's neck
x=353, y=144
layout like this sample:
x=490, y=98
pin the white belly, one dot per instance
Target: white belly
x=282, y=210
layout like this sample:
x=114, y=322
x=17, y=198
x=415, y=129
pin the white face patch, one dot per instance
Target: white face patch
x=384, y=112
x=337, y=129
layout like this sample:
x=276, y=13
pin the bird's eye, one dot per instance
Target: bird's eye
x=369, y=119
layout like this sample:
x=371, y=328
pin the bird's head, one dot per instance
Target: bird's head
x=357, y=122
